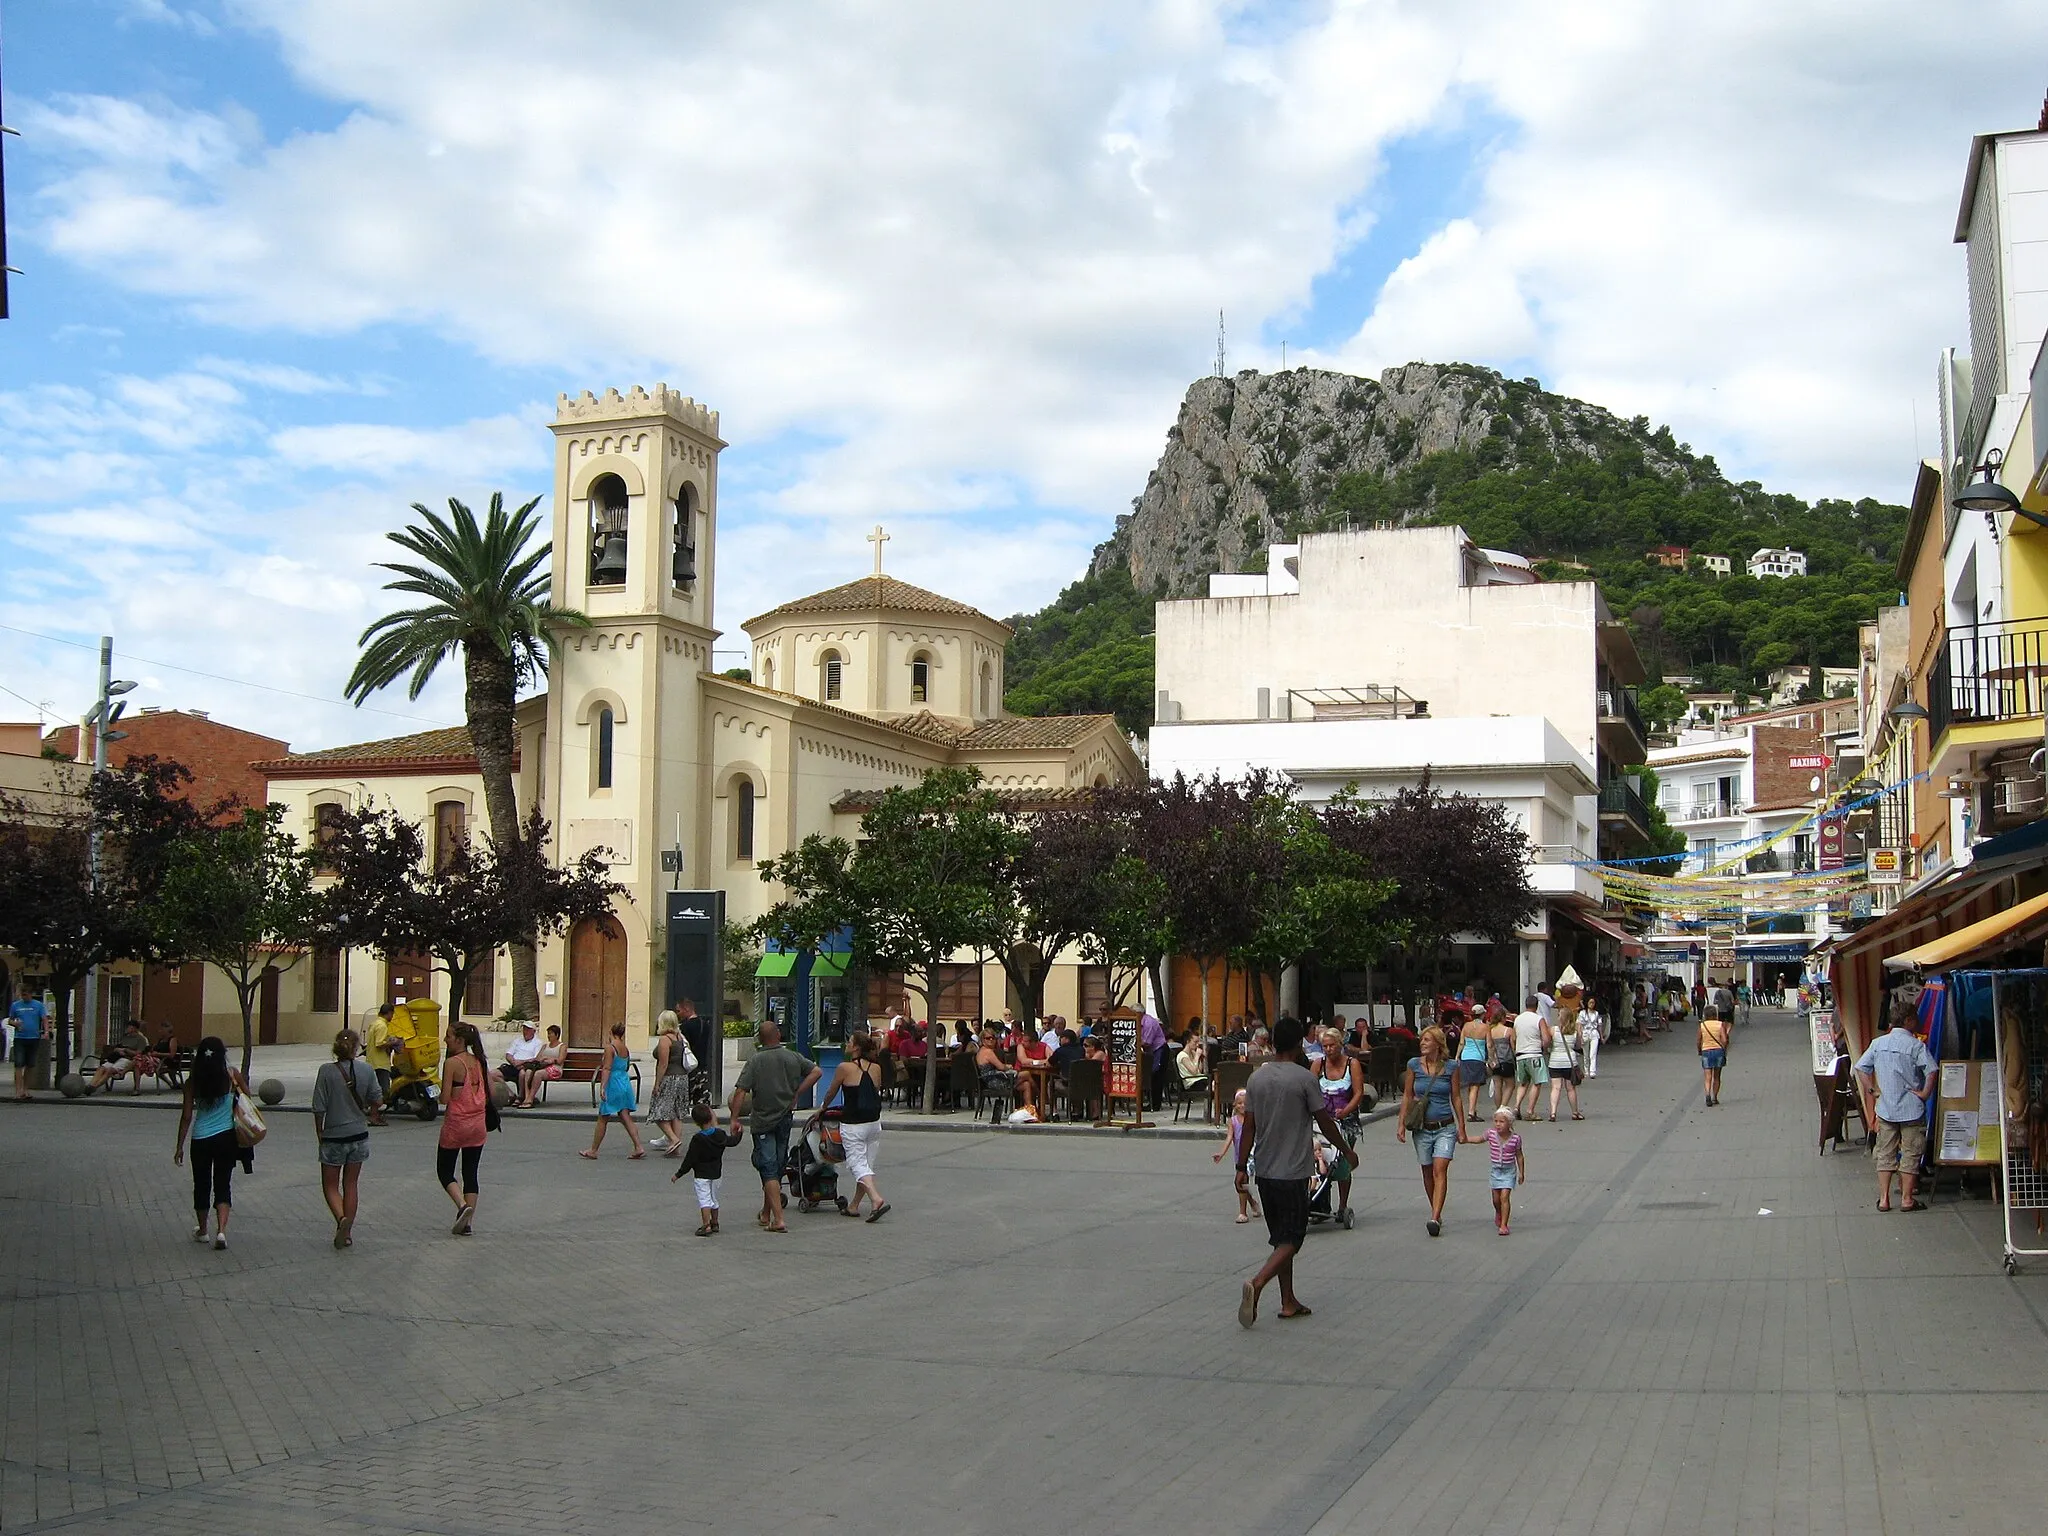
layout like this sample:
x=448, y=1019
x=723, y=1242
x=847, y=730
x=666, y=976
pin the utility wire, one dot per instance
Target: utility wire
x=239, y=682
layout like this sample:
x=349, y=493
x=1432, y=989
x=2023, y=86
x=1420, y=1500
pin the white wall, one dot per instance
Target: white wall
x=1389, y=607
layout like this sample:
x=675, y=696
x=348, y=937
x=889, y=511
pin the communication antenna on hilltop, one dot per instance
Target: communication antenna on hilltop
x=1219, y=345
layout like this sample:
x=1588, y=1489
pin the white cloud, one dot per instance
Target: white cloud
x=945, y=265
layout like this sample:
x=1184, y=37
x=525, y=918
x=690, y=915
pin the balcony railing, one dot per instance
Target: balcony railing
x=1618, y=799
x=1988, y=672
x=1620, y=703
x=1702, y=810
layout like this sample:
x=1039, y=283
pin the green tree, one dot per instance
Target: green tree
x=478, y=898
x=486, y=596
x=1663, y=707
x=928, y=879
x=240, y=897
x=54, y=911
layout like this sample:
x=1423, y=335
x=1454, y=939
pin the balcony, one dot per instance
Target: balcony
x=1620, y=802
x=1988, y=674
x=1623, y=735
x=1702, y=810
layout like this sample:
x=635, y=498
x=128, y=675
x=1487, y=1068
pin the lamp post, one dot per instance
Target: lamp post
x=101, y=718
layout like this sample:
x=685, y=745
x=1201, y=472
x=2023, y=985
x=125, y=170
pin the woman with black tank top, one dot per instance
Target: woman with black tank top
x=859, y=1083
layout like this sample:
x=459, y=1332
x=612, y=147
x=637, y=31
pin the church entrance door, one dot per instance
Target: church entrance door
x=597, y=982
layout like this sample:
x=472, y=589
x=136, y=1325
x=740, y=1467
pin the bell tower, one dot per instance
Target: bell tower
x=635, y=528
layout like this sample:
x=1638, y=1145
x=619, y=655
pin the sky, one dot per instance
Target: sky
x=289, y=266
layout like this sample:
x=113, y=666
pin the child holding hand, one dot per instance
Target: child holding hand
x=1509, y=1162
x=1233, y=1134
x=704, y=1161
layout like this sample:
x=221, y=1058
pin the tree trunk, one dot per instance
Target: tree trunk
x=489, y=695
x=931, y=1045
x=60, y=1056
x=245, y=995
x=458, y=984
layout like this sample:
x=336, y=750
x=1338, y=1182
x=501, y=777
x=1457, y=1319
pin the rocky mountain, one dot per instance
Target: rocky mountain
x=1265, y=456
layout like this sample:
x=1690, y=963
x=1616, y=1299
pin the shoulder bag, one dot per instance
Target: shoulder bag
x=1418, y=1108
x=249, y=1126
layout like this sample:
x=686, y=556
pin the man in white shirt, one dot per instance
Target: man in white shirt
x=523, y=1053
x=1532, y=1049
x=1049, y=1032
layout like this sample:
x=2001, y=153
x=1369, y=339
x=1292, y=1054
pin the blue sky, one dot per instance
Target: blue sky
x=290, y=265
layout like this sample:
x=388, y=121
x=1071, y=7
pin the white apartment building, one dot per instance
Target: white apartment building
x=1731, y=789
x=1777, y=562
x=1372, y=657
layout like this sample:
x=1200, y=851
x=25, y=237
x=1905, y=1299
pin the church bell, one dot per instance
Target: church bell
x=610, y=570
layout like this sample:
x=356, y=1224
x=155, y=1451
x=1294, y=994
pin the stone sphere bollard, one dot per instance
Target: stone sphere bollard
x=501, y=1092
x=270, y=1091
x=71, y=1085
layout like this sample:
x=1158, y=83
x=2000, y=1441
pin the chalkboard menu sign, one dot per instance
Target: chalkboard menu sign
x=1124, y=1077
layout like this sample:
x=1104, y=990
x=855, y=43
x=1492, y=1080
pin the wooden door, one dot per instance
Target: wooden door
x=597, y=982
x=174, y=995
x=266, y=1007
x=408, y=976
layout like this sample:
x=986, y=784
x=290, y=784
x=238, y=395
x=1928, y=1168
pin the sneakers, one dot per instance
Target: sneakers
x=199, y=1233
x=220, y=1241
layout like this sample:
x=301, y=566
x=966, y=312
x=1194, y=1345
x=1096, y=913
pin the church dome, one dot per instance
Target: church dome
x=886, y=648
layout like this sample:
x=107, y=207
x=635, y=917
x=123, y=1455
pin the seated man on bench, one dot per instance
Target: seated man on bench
x=130, y=1054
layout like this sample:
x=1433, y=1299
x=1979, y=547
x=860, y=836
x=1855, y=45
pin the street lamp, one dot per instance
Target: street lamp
x=1906, y=712
x=1987, y=495
x=101, y=718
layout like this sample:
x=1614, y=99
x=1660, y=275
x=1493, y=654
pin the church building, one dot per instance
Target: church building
x=641, y=748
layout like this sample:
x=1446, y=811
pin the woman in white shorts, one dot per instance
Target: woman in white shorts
x=859, y=1080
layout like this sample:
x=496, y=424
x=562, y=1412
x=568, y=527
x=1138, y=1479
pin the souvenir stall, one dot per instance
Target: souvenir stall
x=1985, y=1015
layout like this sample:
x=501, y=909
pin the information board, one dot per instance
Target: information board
x=1967, y=1107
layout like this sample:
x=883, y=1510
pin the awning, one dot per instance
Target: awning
x=824, y=967
x=1613, y=931
x=773, y=964
x=2000, y=931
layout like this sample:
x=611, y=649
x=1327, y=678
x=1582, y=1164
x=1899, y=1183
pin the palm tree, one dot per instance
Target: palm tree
x=487, y=596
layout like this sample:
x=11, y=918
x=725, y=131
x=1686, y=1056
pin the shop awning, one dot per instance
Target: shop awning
x=773, y=964
x=1600, y=925
x=823, y=967
x=2001, y=930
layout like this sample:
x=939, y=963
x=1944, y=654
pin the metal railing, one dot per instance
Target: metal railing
x=1621, y=703
x=1703, y=810
x=1617, y=798
x=1988, y=672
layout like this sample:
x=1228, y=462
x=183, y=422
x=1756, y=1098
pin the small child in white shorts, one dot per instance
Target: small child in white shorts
x=704, y=1161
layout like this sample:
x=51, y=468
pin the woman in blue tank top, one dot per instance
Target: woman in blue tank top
x=1429, y=1086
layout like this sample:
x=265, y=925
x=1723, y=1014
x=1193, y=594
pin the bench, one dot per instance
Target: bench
x=585, y=1064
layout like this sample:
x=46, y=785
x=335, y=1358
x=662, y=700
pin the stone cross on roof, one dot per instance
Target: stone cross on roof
x=878, y=538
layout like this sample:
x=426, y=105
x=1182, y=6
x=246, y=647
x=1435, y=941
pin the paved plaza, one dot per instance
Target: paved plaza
x=1040, y=1337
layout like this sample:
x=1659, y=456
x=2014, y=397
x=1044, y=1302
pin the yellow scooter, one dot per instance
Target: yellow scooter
x=415, y=1058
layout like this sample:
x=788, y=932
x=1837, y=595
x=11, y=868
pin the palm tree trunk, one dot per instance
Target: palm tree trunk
x=488, y=700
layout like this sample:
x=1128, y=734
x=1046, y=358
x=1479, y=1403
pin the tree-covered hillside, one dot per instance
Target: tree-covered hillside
x=1571, y=486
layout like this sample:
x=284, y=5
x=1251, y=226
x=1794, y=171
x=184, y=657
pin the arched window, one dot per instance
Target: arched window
x=743, y=819
x=768, y=672
x=607, y=531
x=602, y=777
x=834, y=675
x=683, y=560
x=920, y=679
x=988, y=689
x=451, y=831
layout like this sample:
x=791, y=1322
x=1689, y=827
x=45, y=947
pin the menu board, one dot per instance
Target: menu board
x=1824, y=1052
x=1124, y=1077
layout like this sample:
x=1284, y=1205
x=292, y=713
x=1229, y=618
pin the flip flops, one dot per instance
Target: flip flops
x=1247, y=1306
x=878, y=1213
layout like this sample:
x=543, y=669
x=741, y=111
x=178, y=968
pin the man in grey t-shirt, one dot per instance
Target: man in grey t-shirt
x=769, y=1085
x=1282, y=1108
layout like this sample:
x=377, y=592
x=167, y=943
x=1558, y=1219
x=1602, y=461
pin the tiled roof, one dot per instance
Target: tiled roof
x=1029, y=731
x=872, y=593
x=424, y=749
x=1739, y=749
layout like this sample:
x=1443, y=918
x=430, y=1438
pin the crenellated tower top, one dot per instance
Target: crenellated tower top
x=637, y=404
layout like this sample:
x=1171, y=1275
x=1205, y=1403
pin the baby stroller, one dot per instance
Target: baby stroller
x=811, y=1179
x=1322, y=1184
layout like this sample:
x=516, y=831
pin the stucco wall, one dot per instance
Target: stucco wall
x=1387, y=607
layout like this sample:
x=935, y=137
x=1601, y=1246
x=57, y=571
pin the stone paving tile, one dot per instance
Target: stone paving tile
x=1038, y=1337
